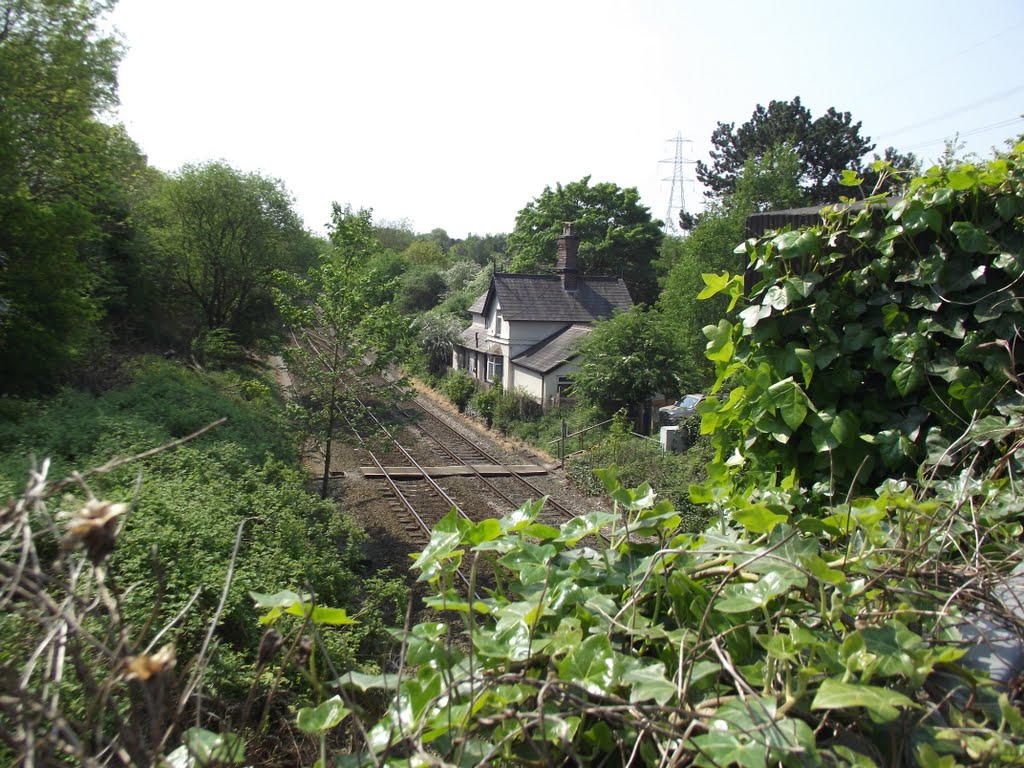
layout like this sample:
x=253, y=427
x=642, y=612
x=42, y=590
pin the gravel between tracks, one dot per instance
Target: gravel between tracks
x=368, y=502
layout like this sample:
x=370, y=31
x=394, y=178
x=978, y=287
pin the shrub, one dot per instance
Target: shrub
x=459, y=387
x=515, y=406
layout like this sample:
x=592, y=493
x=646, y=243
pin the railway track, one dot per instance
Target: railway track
x=417, y=498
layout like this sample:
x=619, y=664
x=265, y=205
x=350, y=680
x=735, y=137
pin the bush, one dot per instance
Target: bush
x=459, y=387
x=485, y=402
x=187, y=506
x=513, y=407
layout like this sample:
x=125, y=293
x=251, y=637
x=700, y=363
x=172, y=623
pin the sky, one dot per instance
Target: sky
x=455, y=115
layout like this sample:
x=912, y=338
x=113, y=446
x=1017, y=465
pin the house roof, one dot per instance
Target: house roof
x=474, y=338
x=477, y=306
x=542, y=297
x=547, y=354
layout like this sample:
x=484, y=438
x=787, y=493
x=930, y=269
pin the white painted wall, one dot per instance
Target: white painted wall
x=530, y=381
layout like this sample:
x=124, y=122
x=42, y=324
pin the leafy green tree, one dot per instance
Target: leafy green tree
x=395, y=234
x=486, y=249
x=436, y=336
x=221, y=235
x=627, y=359
x=342, y=328
x=60, y=166
x=424, y=251
x=767, y=183
x=826, y=146
x=617, y=235
x=419, y=289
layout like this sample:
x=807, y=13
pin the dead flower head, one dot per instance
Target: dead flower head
x=93, y=528
x=146, y=667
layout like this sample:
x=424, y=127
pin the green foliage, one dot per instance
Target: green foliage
x=425, y=252
x=419, y=289
x=220, y=236
x=186, y=510
x=639, y=460
x=459, y=387
x=881, y=341
x=436, y=336
x=761, y=641
x=766, y=183
x=617, y=235
x=343, y=327
x=826, y=146
x=627, y=359
x=485, y=403
x=217, y=348
x=65, y=180
x=514, y=406
x=482, y=250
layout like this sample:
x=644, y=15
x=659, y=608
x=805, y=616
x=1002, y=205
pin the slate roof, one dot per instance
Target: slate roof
x=471, y=335
x=547, y=354
x=542, y=297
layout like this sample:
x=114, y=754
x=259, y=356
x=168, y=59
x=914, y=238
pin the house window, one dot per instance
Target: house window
x=495, y=367
x=497, y=325
x=564, y=384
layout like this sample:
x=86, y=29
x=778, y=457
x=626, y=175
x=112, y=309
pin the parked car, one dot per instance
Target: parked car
x=684, y=407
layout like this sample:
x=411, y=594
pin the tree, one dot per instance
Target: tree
x=343, y=326
x=617, y=235
x=59, y=164
x=826, y=146
x=221, y=235
x=486, y=249
x=627, y=359
x=419, y=289
x=766, y=183
x=426, y=252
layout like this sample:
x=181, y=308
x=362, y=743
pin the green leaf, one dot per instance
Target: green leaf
x=321, y=614
x=758, y=518
x=649, y=683
x=881, y=703
x=210, y=748
x=592, y=666
x=971, y=238
x=960, y=180
x=362, y=682
x=523, y=516
x=323, y=717
x=848, y=178
x=740, y=598
x=589, y=524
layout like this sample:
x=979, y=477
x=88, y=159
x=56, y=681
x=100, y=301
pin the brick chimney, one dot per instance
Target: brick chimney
x=568, y=266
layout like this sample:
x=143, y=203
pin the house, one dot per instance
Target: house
x=525, y=327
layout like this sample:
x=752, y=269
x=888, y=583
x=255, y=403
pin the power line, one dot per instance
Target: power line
x=972, y=132
x=965, y=108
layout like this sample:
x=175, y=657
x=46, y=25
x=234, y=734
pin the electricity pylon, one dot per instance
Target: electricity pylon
x=677, y=195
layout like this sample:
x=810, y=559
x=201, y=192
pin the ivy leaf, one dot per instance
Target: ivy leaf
x=881, y=703
x=589, y=524
x=971, y=238
x=907, y=377
x=649, y=682
x=720, y=345
x=758, y=518
x=523, y=516
x=323, y=717
x=740, y=598
x=208, y=748
x=592, y=665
